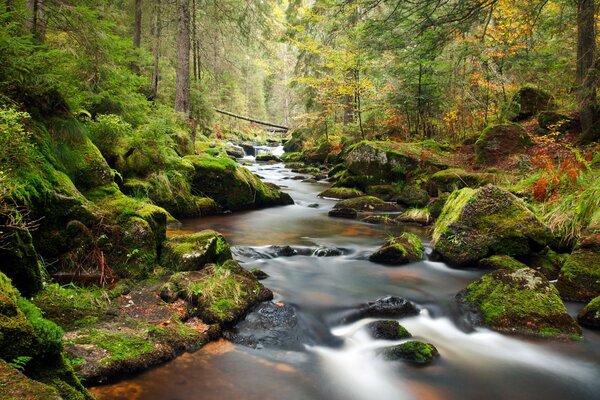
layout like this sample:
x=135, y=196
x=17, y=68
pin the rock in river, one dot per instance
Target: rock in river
x=384, y=307
x=414, y=352
x=387, y=330
x=403, y=249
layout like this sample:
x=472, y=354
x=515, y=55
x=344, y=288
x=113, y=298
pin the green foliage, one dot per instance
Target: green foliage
x=17, y=149
x=20, y=362
x=107, y=132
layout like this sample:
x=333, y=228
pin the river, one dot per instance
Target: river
x=479, y=364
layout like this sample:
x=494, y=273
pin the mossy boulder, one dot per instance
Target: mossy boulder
x=403, y=249
x=436, y=205
x=548, y=262
x=518, y=301
x=192, y=252
x=391, y=161
x=380, y=220
x=387, y=330
x=531, y=100
x=498, y=142
x=384, y=192
x=14, y=385
x=452, y=179
x=26, y=335
x=589, y=316
x=220, y=294
x=267, y=157
x=413, y=196
x=417, y=216
x=341, y=193
x=233, y=187
x=367, y=204
x=501, y=262
x=478, y=223
x=85, y=165
x=384, y=307
x=550, y=121
x=413, y=351
x=20, y=261
x=579, y=278
x=347, y=213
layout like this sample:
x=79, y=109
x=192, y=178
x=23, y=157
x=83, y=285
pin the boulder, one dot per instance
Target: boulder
x=414, y=352
x=384, y=192
x=384, y=307
x=550, y=121
x=380, y=220
x=403, y=249
x=387, y=330
x=218, y=294
x=368, y=204
x=20, y=261
x=579, y=278
x=192, y=252
x=347, y=213
x=547, y=262
x=589, y=316
x=267, y=157
x=518, y=301
x=478, y=223
x=497, y=142
x=392, y=161
x=436, y=205
x=418, y=216
x=271, y=325
x=15, y=386
x=233, y=187
x=413, y=196
x=530, y=101
x=501, y=262
x=259, y=274
x=341, y=193
x=449, y=180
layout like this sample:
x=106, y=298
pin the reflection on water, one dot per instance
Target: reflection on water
x=475, y=365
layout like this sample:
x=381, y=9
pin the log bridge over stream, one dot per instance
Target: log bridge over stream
x=271, y=127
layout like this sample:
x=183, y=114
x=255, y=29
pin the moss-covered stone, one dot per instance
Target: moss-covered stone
x=413, y=196
x=220, y=294
x=388, y=330
x=418, y=216
x=478, y=223
x=550, y=121
x=436, y=205
x=192, y=252
x=531, y=100
x=413, y=351
x=267, y=157
x=547, y=262
x=380, y=220
x=341, y=193
x=590, y=314
x=518, y=301
x=367, y=203
x=497, y=142
x=579, y=278
x=403, y=249
x=501, y=262
x=452, y=179
x=14, y=386
x=389, y=161
x=233, y=187
x=384, y=192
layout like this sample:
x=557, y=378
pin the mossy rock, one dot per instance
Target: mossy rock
x=267, y=158
x=518, y=301
x=550, y=121
x=478, y=223
x=413, y=351
x=347, y=213
x=403, y=249
x=20, y=261
x=547, y=262
x=531, y=100
x=85, y=165
x=319, y=154
x=341, y=193
x=15, y=386
x=413, y=196
x=380, y=220
x=390, y=161
x=233, y=187
x=498, y=142
x=192, y=252
x=387, y=330
x=579, y=278
x=589, y=316
x=221, y=294
x=336, y=169
x=501, y=262
x=384, y=192
x=452, y=179
x=416, y=216
x=291, y=157
x=368, y=204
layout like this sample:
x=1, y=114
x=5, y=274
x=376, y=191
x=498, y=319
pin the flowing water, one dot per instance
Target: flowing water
x=478, y=364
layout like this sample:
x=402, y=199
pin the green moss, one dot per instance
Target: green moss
x=498, y=141
x=20, y=261
x=192, y=252
x=579, y=278
x=452, y=179
x=71, y=306
x=412, y=351
x=341, y=193
x=367, y=203
x=521, y=301
x=501, y=262
x=120, y=346
x=451, y=211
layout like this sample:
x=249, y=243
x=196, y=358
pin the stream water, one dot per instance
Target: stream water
x=473, y=365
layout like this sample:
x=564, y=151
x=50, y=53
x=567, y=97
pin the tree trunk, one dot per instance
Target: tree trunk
x=137, y=29
x=194, y=42
x=35, y=21
x=156, y=50
x=586, y=73
x=182, y=94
